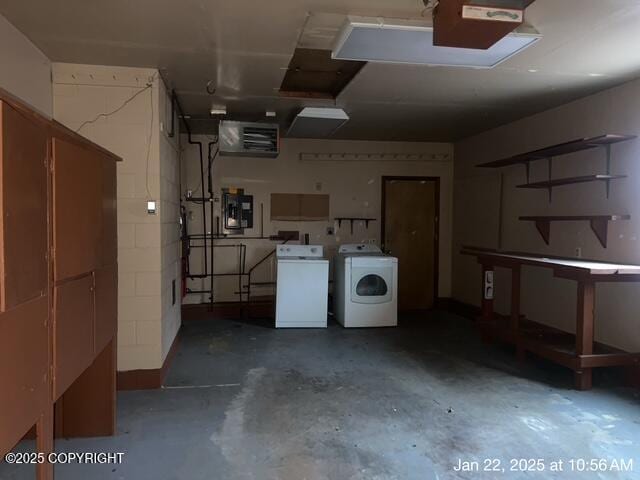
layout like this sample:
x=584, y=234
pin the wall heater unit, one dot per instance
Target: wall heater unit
x=244, y=139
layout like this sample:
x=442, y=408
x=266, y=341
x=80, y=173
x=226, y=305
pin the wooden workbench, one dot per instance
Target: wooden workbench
x=578, y=352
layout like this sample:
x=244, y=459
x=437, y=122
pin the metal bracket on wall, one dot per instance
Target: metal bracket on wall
x=354, y=219
x=550, y=168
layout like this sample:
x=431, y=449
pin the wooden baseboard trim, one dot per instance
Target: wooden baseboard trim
x=457, y=307
x=227, y=310
x=150, y=379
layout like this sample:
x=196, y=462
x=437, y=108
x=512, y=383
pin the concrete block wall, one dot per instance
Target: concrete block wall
x=130, y=127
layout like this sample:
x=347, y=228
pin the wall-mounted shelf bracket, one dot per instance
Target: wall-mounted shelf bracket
x=608, y=167
x=354, y=219
x=599, y=224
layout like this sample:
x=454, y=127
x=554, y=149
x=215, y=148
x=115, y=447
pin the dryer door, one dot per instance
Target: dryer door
x=371, y=280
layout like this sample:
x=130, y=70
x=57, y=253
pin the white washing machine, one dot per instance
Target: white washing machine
x=302, y=286
x=365, y=287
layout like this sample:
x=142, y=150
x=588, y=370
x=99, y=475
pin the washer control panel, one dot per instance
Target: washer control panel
x=304, y=251
x=359, y=248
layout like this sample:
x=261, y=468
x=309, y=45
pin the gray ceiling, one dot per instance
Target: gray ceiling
x=244, y=46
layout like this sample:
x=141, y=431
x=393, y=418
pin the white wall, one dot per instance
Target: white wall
x=354, y=188
x=546, y=299
x=24, y=70
x=147, y=250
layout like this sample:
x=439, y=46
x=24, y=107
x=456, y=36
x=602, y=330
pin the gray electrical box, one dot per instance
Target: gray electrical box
x=237, y=211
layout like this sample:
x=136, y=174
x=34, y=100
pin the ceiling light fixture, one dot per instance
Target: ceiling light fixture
x=317, y=122
x=218, y=110
x=409, y=41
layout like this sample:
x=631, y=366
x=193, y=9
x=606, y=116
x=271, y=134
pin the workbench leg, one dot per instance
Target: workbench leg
x=44, y=443
x=514, y=323
x=584, y=331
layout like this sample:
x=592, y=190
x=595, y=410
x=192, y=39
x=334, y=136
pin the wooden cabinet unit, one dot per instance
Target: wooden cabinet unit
x=73, y=331
x=58, y=282
x=23, y=263
x=24, y=369
x=77, y=209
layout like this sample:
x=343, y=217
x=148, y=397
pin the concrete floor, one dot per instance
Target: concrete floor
x=245, y=401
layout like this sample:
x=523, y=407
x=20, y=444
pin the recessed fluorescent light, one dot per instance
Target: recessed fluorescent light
x=532, y=70
x=313, y=122
x=407, y=41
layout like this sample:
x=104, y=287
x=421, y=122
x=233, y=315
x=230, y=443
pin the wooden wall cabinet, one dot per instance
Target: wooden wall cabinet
x=24, y=369
x=23, y=237
x=77, y=209
x=73, y=326
x=58, y=282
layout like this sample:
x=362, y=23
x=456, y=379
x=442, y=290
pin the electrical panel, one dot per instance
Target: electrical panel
x=237, y=211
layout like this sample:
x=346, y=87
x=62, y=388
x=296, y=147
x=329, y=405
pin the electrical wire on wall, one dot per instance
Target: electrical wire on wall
x=150, y=136
x=149, y=87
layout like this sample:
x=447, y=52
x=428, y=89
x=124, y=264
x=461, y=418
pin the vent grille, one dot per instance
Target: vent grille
x=260, y=139
x=244, y=139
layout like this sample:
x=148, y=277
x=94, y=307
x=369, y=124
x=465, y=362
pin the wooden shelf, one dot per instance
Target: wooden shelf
x=548, y=153
x=599, y=224
x=558, y=182
x=559, y=150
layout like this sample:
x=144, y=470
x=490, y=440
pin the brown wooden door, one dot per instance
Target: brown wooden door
x=410, y=232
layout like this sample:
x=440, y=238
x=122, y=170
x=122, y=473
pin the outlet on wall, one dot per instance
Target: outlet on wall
x=578, y=252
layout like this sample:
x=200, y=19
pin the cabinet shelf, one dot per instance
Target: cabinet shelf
x=558, y=182
x=599, y=224
x=559, y=150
